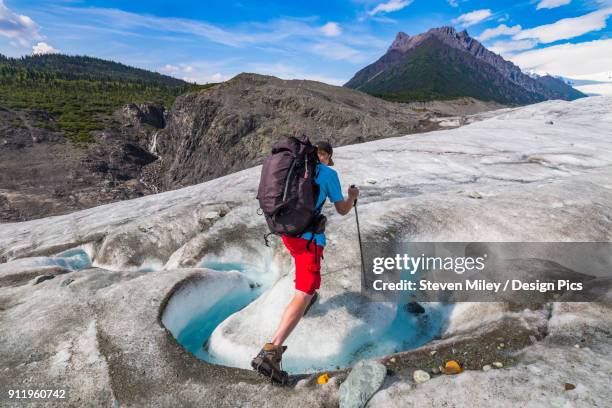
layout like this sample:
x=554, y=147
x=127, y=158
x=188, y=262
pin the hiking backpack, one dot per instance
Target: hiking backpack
x=287, y=191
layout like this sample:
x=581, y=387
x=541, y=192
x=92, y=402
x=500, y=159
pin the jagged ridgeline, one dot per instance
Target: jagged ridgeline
x=80, y=93
x=445, y=64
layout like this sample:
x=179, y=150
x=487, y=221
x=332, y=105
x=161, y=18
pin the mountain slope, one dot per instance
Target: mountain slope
x=83, y=67
x=233, y=125
x=560, y=87
x=436, y=71
x=443, y=63
x=80, y=94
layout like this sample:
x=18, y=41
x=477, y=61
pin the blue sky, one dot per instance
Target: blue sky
x=321, y=40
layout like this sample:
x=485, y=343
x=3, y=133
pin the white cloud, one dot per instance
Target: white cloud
x=472, y=18
x=560, y=30
x=43, y=48
x=170, y=69
x=596, y=89
x=506, y=47
x=390, y=6
x=283, y=33
x=567, y=28
x=331, y=29
x=501, y=29
x=204, y=71
x=291, y=37
x=503, y=18
x=549, y=4
x=337, y=51
x=598, y=83
x=206, y=79
x=218, y=77
x=20, y=29
x=569, y=60
x=453, y=3
x=254, y=33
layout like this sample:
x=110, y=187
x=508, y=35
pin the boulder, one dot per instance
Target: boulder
x=420, y=376
x=365, y=379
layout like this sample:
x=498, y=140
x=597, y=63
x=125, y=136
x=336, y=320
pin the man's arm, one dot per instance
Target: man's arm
x=344, y=207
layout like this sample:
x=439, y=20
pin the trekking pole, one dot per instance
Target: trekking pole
x=359, y=238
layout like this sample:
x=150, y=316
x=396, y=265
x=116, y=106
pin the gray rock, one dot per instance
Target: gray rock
x=211, y=215
x=43, y=278
x=144, y=113
x=365, y=379
x=420, y=376
x=65, y=177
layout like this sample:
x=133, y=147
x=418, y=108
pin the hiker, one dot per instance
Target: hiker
x=306, y=250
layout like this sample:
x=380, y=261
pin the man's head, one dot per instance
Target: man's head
x=325, y=152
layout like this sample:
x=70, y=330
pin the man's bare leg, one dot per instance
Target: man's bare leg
x=293, y=313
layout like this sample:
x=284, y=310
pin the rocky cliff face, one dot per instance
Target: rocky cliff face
x=404, y=47
x=232, y=126
x=42, y=174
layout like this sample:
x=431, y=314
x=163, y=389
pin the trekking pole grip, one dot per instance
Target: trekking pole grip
x=354, y=202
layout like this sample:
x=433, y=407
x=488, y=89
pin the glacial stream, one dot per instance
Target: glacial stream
x=413, y=325
x=193, y=313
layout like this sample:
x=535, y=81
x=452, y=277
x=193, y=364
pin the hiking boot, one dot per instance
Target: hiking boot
x=312, y=300
x=268, y=363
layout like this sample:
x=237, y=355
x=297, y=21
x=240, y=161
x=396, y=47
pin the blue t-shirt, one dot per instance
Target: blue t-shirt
x=329, y=186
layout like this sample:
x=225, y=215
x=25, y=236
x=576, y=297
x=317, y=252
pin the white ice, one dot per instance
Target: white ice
x=196, y=297
x=74, y=259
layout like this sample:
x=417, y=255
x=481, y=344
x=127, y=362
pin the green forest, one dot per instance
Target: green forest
x=81, y=93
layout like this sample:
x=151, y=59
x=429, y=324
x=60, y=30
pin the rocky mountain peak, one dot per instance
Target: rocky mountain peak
x=462, y=41
x=447, y=34
x=478, y=66
x=400, y=42
x=444, y=31
x=455, y=39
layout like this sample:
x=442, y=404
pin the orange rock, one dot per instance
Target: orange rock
x=452, y=367
x=323, y=379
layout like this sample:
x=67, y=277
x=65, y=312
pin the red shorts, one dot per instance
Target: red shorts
x=307, y=263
